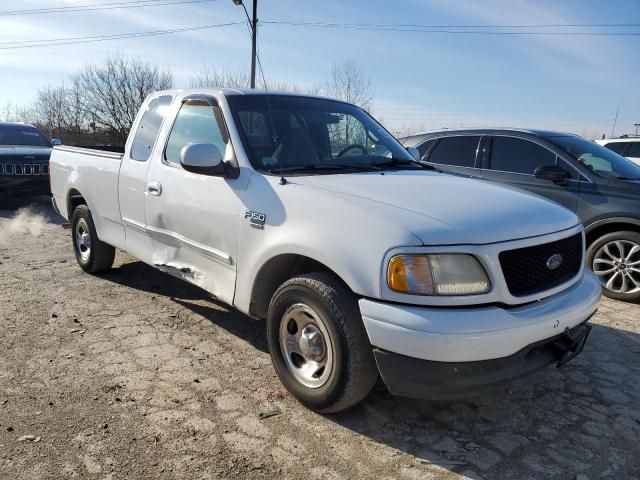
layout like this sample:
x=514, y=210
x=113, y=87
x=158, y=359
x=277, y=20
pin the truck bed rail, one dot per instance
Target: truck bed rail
x=90, y=151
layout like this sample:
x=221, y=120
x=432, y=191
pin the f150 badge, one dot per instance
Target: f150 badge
x=256, y=219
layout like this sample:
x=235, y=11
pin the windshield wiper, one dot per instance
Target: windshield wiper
x=323, y=166
x=402, y=161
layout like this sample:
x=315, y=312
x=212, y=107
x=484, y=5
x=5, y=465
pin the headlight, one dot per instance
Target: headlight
x=437, y=274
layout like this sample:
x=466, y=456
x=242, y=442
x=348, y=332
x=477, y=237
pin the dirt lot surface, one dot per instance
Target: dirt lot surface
x=134, y=374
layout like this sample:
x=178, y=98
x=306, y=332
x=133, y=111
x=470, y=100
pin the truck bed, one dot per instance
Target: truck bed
x=83, y=170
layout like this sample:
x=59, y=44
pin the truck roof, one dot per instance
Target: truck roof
x=238, y=91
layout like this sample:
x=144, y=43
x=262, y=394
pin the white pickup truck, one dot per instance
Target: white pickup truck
x=364, y=262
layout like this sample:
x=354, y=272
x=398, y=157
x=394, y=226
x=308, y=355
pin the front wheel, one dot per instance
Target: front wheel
x=615, y=259
x=318, y=344
x=92, y=255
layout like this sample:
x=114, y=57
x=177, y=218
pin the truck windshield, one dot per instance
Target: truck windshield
x=598, y=159
x=296, y=133
x=22, y=135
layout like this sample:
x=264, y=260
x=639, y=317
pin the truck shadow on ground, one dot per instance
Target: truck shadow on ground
x=143, y=277
x=581, y=418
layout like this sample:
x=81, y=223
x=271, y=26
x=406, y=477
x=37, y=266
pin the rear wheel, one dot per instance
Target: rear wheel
x=615, y=259
x=318, y=344
x=93, y=255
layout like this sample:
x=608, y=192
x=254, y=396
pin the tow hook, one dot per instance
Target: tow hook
x=571, y=343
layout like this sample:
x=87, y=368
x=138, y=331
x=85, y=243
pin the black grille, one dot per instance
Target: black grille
x=526, y=270
x=24, y=169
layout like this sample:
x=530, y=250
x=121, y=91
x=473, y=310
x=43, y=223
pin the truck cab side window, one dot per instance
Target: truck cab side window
x=149, y=127
x=196, y=123
x=516, y=155
x=457, y=151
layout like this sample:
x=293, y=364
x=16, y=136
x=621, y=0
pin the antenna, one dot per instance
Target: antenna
x=615, y=120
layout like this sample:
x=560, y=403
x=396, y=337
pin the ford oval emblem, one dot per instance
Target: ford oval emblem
x=554, y=261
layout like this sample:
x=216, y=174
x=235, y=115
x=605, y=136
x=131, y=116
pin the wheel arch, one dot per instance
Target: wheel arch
x=610, y=225
x=277, y=270
x=74, y=199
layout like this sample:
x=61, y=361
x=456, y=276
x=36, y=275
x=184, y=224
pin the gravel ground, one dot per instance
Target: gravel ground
x=134, y=374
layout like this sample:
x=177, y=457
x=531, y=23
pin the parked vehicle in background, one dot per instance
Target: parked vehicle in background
x=307, y=212
x=626, y=146
x=602, y=187
x=24, y=162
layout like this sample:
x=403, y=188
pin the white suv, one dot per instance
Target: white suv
x=627, y=147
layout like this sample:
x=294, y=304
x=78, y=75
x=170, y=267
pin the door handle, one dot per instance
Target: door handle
x=153, y=188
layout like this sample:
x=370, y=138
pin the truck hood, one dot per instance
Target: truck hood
x=443, y=209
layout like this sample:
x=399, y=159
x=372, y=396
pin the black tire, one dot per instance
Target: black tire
x=354, y=370
x=596, y=251
x=99, y=256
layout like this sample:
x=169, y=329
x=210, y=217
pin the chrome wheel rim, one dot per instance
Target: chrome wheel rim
x=305, y=345
x=83, y=240
x=617, y=264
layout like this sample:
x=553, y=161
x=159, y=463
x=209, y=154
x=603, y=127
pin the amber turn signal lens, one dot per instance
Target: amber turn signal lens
x=397, y=275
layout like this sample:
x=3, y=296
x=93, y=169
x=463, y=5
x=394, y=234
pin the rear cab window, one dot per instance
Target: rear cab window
x=147, y=132
x=458, y=151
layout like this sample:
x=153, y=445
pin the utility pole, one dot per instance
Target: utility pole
x=254, y=36
x=254, y=40
x=636, y=125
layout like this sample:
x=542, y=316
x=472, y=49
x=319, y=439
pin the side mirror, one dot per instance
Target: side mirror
x=56, y=141
x=415, y=153
x=553, y=173
x=202, y=158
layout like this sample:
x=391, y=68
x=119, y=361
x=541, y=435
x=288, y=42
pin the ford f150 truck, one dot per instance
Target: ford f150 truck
x=306, y=212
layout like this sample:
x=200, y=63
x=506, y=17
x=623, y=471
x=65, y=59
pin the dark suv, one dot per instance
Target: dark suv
x=24, y=162
x=602, y=187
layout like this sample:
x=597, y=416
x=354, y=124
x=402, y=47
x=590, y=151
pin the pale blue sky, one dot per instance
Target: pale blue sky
x=421, y=80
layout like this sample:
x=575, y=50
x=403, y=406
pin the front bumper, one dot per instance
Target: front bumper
x=436, y=343
x=411, y=377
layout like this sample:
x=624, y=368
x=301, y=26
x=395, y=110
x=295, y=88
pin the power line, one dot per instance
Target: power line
x=419, y=25
x=443, y=30
x=101, y=38
x=100, y=6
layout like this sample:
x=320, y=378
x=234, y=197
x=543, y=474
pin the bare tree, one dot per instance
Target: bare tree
x=50, y=108
x=405, y=130
x=11, y=112
x=349, y=83
x=6, y=113
x=76, y=118
x=113, y=92
x=210, y=78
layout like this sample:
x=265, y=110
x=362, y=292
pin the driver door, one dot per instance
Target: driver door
x=193, y=219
